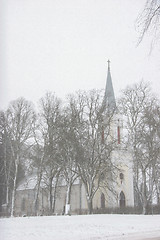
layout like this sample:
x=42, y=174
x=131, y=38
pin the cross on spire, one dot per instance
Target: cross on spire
x=108, y=64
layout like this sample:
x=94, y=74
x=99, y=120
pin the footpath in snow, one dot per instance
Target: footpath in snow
x=84, y=227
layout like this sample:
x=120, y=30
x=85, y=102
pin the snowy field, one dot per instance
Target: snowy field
x=84, y=227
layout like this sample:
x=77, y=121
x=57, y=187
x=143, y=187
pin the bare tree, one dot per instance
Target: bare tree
x=38, y=157
x=95, y=141
x=20, y=117
x=139, y=106
x=6, y=162
x=149, y=19
x=50, y=117
x=151, y=148
x=69, y=145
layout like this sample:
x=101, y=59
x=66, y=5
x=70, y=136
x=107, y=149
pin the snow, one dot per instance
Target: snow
x=84, y=227
x=30, y=182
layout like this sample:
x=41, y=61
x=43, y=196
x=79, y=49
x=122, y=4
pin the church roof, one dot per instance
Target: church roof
x=109, y=97
x=30, y=182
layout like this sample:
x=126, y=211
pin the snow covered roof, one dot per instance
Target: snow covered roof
x=30, y=182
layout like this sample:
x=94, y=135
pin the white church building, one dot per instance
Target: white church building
x=121, y=197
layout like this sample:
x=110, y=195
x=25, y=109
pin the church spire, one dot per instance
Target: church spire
x=109, y=98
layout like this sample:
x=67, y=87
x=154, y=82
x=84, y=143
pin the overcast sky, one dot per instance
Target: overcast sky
x=63, y=46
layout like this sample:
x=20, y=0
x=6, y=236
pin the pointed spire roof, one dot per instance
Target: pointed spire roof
x=109, y=98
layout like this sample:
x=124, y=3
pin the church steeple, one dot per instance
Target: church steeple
x=109, y=98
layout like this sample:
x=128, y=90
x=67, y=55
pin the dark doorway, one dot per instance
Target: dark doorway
x=122, y=201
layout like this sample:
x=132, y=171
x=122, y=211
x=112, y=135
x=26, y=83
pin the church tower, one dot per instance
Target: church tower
x=121, y=156
x=109, y=103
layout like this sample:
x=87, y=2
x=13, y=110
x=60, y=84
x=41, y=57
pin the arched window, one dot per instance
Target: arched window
x=23, y=203
x=119, y=136
x=122, y=201
x=102, y=200
x=121, y=176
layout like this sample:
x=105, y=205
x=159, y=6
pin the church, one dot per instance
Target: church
x=123, y=192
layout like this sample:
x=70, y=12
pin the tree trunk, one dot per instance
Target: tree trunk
x=39, y=178
x=68, y=199
x=90, y=206
x=7, y=170
x=144, y=202
x=50, y=195
x=158, y=198
x=54, y=194
x=14, y=188
x=157, y=191
x=7, y=197
x=37, y=194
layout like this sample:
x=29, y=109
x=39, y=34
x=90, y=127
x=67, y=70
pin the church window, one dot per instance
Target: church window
x=121, y=176
x=102, y=176
x=23, y=204
x=118, y=132
x=122, y=201
x=102, y=201
x=102, y=135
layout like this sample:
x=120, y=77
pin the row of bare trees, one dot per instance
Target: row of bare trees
x=75, y=140
x=58, y=141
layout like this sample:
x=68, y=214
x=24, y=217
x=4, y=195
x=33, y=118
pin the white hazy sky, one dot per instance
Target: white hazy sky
x=63, y=46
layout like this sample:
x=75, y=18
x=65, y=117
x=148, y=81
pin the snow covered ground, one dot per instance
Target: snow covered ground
x=84, y=227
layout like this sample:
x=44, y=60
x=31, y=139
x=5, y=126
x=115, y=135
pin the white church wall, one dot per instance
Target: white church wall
x=24, y=202
x=75, y=198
